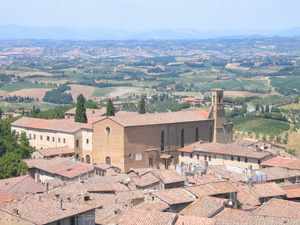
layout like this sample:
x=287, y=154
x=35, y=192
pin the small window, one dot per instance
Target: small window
x=107, y=130
x=64, y=140
x=191, y=155
x=182, y=154
x=238, y=158
x=41, y=137
x=182, y=138
x=48, y=138
x=246, y=159
x=77, y=143
x=259, y=161
x=198, y=157
x=29, y=136
x=197, y=134
x=87, y=141
x=209, y=158
x=34, y=136
x=232, y=158
x=162, y=140
x=138, y=156
x=53, y=139
x=205, y=157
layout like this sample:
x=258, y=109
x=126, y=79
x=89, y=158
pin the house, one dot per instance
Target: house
x=279, y=174
x=176, y=198
x=57, y=133
x=17, y=187
x=103, y=169
x=44, y=170
x=204, y=207
x=284, y=162
x=129, y=140
x=221, y=189
x=230, y=154
x=279, y=208
x=46, y=210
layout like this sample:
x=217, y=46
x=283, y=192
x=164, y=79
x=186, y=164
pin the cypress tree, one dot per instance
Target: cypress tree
x=80, y=115
x=110, y=109
x=142, y=105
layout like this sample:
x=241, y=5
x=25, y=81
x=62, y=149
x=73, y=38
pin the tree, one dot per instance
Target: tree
x=80, y=115
x=267, y=109
x=257, y=108
x=12, y=151
x=1, y=113
x=142, y=105
x=110, y=109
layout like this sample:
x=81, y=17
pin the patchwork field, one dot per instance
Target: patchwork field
x=261, y=126
x=87, y=91
x=36, y=93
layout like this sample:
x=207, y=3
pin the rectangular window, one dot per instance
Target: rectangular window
x=64, y=140
x=238, y=158
x=138, y=156
x=53, y=139
x=41, y=137
x=48, y=138
x=197, y=134
x=232, y=158
x=191, y=155
x=209, y=158
x=182, y=154
x=87, y=141
x=205, y=157
x=34, y=136
x=198, y=157
x=246, y=159
x=77, y=143
x=29, y=136
x=58, y=140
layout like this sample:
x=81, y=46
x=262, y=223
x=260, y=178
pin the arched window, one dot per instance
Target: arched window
x=162, y=140
x=197, y=134
x=88, y=159
x=108, y=160
x=182, y=138
x=107, y=130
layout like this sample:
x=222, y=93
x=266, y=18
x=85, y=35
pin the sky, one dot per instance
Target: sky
x=202, y=15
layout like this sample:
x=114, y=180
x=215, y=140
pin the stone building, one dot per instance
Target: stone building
x=130, y=140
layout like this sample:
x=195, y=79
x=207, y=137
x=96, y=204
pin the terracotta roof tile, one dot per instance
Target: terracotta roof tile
x=62, y=125
x=140, y=217
x=59, y=151
x=225, y=149
x=160, y=118
x=292, y=191
x=279, y=208
x=204, y=207
x=211, y=189
x=193, y=220
x=175, y=196
x=278, y=161
x=61, y=166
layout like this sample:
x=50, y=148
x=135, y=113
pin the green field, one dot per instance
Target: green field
x=23, y=85
x=261, y=126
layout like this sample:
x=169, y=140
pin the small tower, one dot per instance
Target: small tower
x=222, y=132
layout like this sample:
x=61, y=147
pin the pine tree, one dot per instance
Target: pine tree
x=142, y=105
x=110, y=109
x=80, y=115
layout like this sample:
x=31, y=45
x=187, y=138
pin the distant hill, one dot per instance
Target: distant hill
x=9, y=32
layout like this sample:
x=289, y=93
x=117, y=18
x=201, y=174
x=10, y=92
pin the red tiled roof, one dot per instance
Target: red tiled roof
x=193, y=220
x=211, y=189
x=175, y=196
x=21, y=185
x=62, y=125
x=225, y=149
x=59, y=151
x=289, y=163
x=160, y=118
x=292, y=191
x=60, y=166
x=279, y=208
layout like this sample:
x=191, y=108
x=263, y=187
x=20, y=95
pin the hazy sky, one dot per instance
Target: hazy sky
x=204, y=15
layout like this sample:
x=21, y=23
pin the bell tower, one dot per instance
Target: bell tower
x=222, y=132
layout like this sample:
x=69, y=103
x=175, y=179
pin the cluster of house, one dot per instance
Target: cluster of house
x=64, y=191
x=178, y=168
